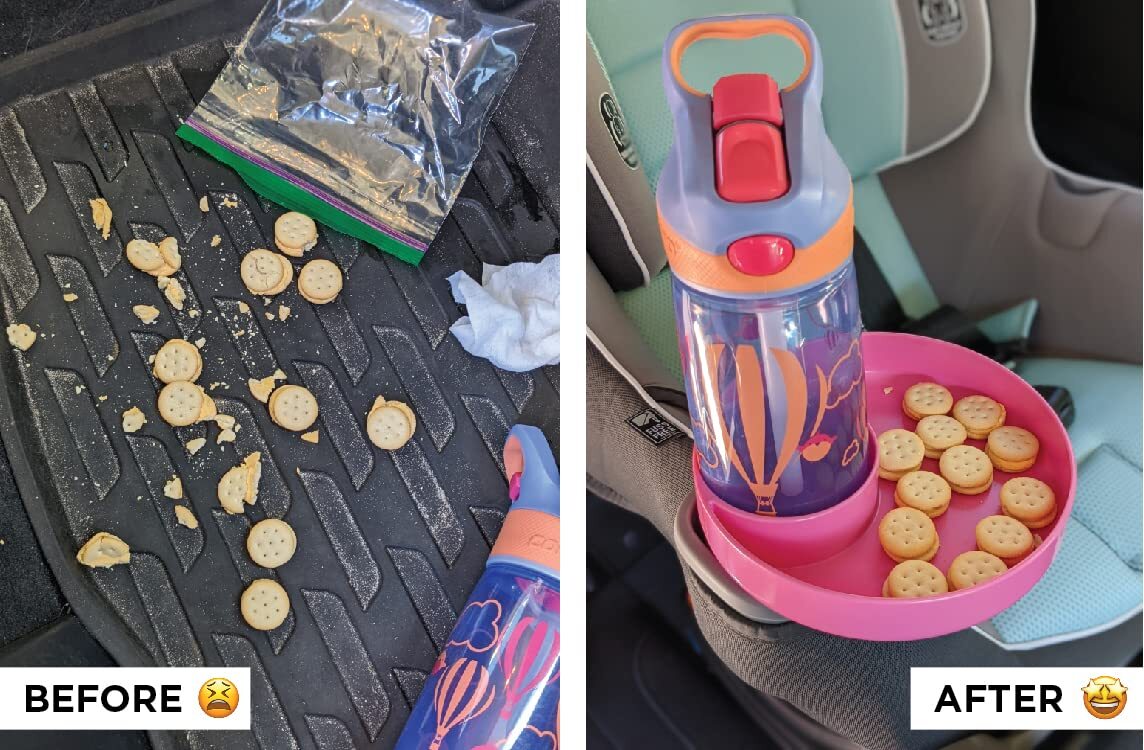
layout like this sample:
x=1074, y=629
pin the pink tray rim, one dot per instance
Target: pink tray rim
x=878, y=618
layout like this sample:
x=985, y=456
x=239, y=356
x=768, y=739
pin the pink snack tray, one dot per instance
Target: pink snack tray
x=843, y=593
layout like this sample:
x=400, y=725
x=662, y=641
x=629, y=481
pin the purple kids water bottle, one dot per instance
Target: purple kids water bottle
x=756, y=212
x=496, y=685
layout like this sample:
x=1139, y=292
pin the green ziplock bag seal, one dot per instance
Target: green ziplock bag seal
x=289, y=195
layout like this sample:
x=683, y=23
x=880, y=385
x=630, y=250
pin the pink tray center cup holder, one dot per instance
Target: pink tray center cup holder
x=825, y=570
x=790, y=541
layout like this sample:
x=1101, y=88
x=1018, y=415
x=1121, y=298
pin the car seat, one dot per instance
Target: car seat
x=927, y=102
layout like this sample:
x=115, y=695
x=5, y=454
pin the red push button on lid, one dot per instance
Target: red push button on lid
x=761, y=254
x=750, y=164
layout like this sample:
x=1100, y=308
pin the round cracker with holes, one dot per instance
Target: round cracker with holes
x=939, y=433
x=265, y=604
x=913, y=579
x=908, y=534
x=980, y=415
x=899, y=452
x=1005, y=537
x=974, y=567
x=1012, y=449
x=1030, y=501
x=293, y=408
x=181, y=403
x=178, y=359
x=263, y=271
x=390, y=424
x=925, y=399
x=320, y=281
x=295, y=233
x=271, y=543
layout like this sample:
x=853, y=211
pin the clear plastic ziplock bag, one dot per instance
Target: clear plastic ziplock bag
x=363, y=114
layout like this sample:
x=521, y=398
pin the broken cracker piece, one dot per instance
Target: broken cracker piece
x=283, y=312
x=204, y=204
x=21, y=336
x=101, y=216
x=71, y=297
x=310, y=437
x=226, y=436
x=186, y=517
x=146, y=313
x=195, y=444
x=243, y=307
x=133, y=419
x=224, y=421
x=174, y=488
x=216, y=240
x=269, y=316
x=888, y=390
x=253, y=465
x=261, y=389
x=104, y=550
x=173, y=291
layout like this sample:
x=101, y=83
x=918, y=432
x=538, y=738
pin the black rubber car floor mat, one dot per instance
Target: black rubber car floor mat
x=389, y=543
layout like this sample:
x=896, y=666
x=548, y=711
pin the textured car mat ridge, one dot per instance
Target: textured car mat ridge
x=389, y=543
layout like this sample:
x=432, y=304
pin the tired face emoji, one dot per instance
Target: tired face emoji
x=1105, y=697
x=218, y=697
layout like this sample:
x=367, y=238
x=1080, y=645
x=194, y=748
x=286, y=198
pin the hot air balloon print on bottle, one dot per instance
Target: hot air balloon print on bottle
x=463, y=693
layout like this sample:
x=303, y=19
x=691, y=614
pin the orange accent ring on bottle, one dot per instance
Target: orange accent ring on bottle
x=739, y=28
x=715, y=272
x=530, y=535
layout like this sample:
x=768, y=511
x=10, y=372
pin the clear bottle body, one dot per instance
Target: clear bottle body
x=496, y=684
x=776, y=392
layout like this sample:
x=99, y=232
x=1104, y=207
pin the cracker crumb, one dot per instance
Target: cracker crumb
x=173, y=291
x=71, y=297
x=269, y=316
x=103, y=398
x=283, y=312
x=184, y=515
x=261, y=389
x=133, y=419
x=200, y=342
x=21, y=336
x=194, y=445
x=888, y=390
x=226, y=436
x=146, y=313
x=216, y=240
x=174, y=488
x=101, y=216
x=151, y=360
x=310, y=437
x=193, y=313
x=239, y=332
x=243, y=307
x=204, y=204
x=163, y=281
x=266, y=302
x=78, y=389
x=229, y=201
